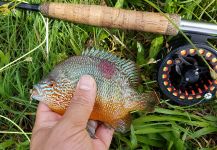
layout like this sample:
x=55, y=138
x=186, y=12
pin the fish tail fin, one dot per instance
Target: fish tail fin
x=152, y=101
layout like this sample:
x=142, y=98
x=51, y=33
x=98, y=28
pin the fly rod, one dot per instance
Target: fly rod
x=104, y=16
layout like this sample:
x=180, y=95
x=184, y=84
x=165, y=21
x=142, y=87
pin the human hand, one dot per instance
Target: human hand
x=68, y=132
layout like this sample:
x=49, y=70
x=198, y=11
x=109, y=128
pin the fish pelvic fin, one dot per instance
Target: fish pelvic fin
x=127, y=67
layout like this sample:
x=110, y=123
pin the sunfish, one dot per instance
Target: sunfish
x=116, y=81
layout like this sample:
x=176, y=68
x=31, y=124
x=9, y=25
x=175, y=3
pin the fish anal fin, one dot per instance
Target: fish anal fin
x=122, y=124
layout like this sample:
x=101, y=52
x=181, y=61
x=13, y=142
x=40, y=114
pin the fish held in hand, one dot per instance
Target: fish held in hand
x=116, y=80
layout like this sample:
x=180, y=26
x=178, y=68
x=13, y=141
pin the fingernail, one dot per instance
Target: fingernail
x=85, y=83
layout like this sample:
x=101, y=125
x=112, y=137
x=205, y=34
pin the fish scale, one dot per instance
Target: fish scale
x=116, y=96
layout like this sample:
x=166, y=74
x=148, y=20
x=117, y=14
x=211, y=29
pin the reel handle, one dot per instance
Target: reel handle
x=112, y=17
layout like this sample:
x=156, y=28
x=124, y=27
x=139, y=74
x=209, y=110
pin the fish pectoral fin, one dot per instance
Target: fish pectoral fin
x=122, y=124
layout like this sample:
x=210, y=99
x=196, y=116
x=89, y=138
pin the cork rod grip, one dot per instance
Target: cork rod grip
x=112, y=17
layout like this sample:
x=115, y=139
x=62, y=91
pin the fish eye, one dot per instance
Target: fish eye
x=52, y=83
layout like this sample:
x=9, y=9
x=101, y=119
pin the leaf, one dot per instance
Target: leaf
x=156, y=46
x=151, y=61
x=170, y=145
x=213, y=74
x=124, y=139
x=173, y=140
x=28, y=59
x=75, y=47
x=181, y=129
x=171, y=6
x=145, y=147
x=189, y=9
x=170, y=118
x=103, y=36
x=204, y=131
x=133, y=138
x=154, y=136
x=149, y=130
x=139, y=3
x=4, y=58
x=1, y=57
x=140, y=59
x=59, y=57
x=22, y=146
x=7, y=58
x=179, y=144
x=4, y=9
x=177, y=112
x=7, y=108
x=210, y=118
x=6, y=144
x=119, y=4
x=167, y=135
x=150, y=142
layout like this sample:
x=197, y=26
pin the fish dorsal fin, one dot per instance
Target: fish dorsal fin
x=127, y=67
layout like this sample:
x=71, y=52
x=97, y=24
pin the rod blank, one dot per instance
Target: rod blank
x=198, y=27
x=25, y=6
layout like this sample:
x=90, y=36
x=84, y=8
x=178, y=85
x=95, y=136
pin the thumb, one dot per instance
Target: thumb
x=82, y=102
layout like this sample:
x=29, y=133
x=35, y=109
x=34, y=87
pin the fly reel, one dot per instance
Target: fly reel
x=183, y=75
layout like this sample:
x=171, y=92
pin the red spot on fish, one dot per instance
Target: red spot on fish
x=107, y=68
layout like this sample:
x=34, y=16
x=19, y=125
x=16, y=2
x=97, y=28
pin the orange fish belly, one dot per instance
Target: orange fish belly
x=112, y=113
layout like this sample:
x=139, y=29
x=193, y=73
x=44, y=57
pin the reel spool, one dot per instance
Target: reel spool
x=184, y=77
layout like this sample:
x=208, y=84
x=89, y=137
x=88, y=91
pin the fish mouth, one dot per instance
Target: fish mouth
x=36, y=93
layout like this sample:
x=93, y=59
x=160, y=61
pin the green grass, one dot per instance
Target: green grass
x=169, y=127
